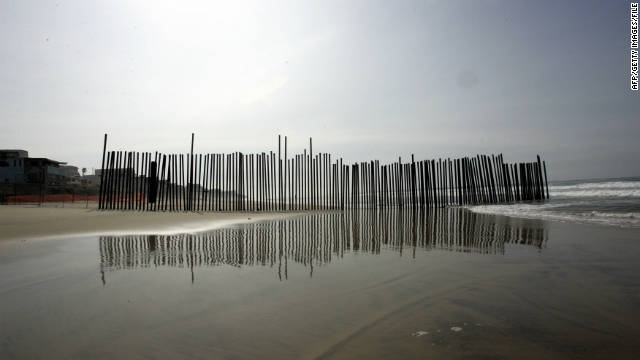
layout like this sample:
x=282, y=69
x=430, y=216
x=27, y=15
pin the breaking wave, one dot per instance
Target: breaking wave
x=614, y=202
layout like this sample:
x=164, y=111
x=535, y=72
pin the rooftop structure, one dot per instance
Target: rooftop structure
x=17, y=167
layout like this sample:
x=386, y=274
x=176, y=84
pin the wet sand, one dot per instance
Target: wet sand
x=32, y=222
x=451, y=284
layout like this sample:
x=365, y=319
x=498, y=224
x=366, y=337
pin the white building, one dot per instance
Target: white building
x=18, y=168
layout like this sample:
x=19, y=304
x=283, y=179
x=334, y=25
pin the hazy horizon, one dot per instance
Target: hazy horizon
x=367, y=80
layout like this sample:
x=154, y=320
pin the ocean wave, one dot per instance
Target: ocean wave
x=629, y=215
x=611, y=189
x=547, y=212
x=599, y=185
x=618, y=193
x=614, y=202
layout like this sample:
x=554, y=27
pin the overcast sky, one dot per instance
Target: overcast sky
x=368, y=80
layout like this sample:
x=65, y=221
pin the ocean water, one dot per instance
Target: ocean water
x=614, y=202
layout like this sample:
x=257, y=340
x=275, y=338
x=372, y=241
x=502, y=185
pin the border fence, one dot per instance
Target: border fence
x=279, y=181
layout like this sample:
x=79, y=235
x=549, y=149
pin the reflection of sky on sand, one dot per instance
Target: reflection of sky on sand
x=314, y=240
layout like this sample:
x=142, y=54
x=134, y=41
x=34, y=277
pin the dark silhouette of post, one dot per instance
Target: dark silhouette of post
x=190, y=190
x=104, y=150
x=546, y=182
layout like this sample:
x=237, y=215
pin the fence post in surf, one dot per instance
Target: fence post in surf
x=105, y=181
x=496, y=178
x=304, y=184
x=112, y=187
x=450, y=181
x=530, y=182
x=483, y=191
x=100, y=198
x=274, y=182
x=127, y=177
x=476, y=167
x=119, y=180
x=523, y=181
x=129, y=180
x=267, y=181
x=165, y=182
x=144, y=170
x=528, y=178
x=177, y=171
x=190, y=185
x=153, y=182
x=378, y=185
x=519, y=176
x=487, y=182
x=516, y=183
x=400, y=187
x=132, y=180
x=500, y=174
x=442, y=165
x=469, y=180
x=273, y=193
x=540, y=181
x=136, y=181
x=342, y=180
x=456, y=166
x=445, y=176
x=414, y=172
x=168, y=203
x=505, y=180
x=287, y=186
x=518, y=172
x=493, y=184
x=279, y=174
x=426, y=183
x=440, y=182
x=546, y=182
x=263, y=179
x=311, y=174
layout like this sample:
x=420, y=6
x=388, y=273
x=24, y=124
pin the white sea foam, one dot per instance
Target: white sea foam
x=619, y=189
x=599, y=185
x=615, y=202
x=620, y=193
x=547, y=212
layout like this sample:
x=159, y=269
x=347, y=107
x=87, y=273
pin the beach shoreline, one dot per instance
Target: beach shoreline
x=439, y=294
x=31, y=222
x=19, y=223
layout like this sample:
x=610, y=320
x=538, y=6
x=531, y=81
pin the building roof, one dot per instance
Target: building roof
x=49, y=161
x=14, y=152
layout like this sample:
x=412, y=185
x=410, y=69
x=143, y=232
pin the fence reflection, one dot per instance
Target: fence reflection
x=316, y=239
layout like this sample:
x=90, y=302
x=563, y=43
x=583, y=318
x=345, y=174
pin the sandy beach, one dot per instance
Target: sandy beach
x=446, y=284
x=29, y=222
